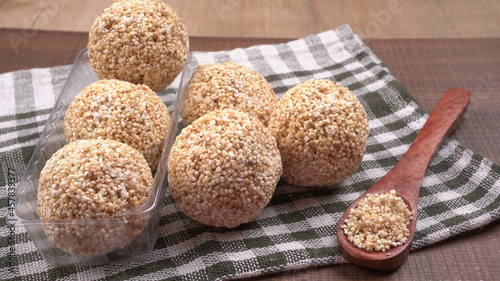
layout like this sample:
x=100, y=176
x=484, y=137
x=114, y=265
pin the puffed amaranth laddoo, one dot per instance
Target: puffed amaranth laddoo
x=227, y=85
x=223, y=168
x=321, y=129
x=140, y=41
x=121, y=111
x=92, y=180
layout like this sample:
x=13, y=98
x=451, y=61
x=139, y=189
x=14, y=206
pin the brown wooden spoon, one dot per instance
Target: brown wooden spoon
x=405, y=177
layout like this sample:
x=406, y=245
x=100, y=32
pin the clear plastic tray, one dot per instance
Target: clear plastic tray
x=136, y=249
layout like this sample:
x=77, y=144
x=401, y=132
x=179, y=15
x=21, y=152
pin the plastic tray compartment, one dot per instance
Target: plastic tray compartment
x=136, y=247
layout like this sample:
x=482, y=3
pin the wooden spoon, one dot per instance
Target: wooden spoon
x=405, y=177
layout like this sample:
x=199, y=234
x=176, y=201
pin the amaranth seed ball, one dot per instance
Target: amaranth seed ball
x=121, y=111
x=227, y=85
x=223, y=168
x=321, y=129
x=379, y=222
x=91, y=180
x=140, y=41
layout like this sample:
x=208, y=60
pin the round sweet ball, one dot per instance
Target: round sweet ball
x=121, y=111
x=140, y=41
x=321, y=129
x=227, y=85
x=223, y=168
x=93, y=179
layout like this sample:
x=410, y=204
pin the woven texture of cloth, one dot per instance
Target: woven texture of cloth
x=460, y=191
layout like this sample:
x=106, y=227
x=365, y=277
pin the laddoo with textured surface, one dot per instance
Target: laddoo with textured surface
x=140, y=41
x=227, y=85
x=121, y=111
x=88, y=180
x=321, y=129
x=223, y=168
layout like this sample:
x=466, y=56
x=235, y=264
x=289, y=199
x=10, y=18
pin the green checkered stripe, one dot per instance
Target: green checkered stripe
x=460, y=192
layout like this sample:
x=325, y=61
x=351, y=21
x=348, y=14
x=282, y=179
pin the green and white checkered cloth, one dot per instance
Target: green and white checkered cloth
x=460, y=192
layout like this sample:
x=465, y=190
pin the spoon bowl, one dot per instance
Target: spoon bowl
x=405, y=178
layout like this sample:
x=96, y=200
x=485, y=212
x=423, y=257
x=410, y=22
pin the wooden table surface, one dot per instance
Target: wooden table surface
x=281, y=18
x=429, y=46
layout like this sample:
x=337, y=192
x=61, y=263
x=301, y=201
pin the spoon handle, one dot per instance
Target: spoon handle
x=438, y=126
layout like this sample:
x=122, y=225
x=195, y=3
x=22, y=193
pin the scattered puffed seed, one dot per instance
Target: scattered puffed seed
x=379, y=222
x=227, y=85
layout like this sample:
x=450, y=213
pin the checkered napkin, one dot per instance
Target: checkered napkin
x=461, y=190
